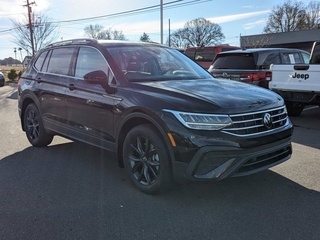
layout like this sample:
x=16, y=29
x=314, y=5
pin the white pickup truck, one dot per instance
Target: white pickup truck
x=298, y=84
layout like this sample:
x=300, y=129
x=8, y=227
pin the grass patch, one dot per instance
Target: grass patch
x=6, y=69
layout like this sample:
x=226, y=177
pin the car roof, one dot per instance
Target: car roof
x=255, y=50
x=127, y=43
x=90, y=41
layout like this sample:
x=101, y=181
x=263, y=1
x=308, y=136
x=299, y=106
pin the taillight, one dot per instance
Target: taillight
x=268, y=76
x=249, y=77
x=252, y=77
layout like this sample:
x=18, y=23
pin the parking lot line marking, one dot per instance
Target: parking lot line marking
x=309, y=108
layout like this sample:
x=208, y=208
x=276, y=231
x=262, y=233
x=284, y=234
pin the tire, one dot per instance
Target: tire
x=294, y=109
x=146, y=160
x=33, y=125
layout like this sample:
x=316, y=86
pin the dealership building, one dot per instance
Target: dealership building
x=298, y=39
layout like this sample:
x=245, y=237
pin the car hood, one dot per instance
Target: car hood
x=228, y=96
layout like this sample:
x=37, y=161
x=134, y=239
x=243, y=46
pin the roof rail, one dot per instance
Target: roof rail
x=73, y=41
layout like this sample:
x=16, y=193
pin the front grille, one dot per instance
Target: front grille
x=266, y=160
x=253, y=123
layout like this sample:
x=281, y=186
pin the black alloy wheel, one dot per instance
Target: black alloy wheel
x=146, y=160
x=33, y=126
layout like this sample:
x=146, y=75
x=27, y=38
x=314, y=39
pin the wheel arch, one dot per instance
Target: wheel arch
x=138, y=118
x=26, y=100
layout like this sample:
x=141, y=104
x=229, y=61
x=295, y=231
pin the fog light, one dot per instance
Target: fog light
x=210, y=162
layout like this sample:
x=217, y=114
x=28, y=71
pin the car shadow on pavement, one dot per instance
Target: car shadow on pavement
x=75, y=191
x=14, y=95
x=306, y=137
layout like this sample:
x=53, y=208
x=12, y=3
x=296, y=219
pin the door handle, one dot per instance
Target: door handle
x=39, y=80
x=72, y=87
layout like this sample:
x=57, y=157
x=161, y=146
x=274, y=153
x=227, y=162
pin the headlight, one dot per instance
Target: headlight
x=202, y=121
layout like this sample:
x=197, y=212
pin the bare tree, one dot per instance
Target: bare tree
x=94, y=31
x=293, y=16
x=312, y=16
x=43, y=32
x=98, y=32
x=115, y=34
x=176, y=40
x=198, y=32
x=255, y=41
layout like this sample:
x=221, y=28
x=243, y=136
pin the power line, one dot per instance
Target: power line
x=8, y=30
x=116, y=14
x=169, y=5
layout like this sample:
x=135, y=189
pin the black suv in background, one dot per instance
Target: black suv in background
x=2, y=79
x=164, y=116
x=252, y=65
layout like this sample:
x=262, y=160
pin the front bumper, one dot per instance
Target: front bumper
x=217, y=163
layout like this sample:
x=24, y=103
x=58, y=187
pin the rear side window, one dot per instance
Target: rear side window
x=306, y=57
x=39, y=63
x=234, y=61
x=291, y=58
x=273, y=58
x=60, y=61
x=190, y=53
x=205, y=55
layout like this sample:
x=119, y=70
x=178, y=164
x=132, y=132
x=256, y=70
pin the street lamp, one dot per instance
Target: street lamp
x=15, y=55
x=20, y=49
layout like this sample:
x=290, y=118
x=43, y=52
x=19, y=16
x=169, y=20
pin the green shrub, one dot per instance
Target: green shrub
x=12, y=75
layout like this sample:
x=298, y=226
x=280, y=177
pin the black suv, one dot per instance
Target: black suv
x=2, y=79
x=252, y=65
x=164, y=116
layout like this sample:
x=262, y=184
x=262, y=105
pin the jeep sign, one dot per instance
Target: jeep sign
x=301, y=76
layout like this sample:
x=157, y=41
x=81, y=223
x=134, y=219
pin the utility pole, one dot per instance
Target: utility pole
x=169, y=35
x=161, y=20
x=30, y=24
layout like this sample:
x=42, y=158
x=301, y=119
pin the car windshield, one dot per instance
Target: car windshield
x=155, y=63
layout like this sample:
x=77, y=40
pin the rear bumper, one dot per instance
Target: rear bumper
x=217, y=163
x=300, y=97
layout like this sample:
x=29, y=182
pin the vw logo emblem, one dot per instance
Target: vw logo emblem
x=267, y=120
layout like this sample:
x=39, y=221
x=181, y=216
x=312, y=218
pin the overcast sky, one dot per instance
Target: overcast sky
x=236, y=17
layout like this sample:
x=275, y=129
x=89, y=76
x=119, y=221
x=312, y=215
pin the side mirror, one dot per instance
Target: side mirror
x=99, y=77
x=96, y=77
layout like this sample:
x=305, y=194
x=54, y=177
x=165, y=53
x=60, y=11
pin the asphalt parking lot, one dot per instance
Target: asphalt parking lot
x=70, y=190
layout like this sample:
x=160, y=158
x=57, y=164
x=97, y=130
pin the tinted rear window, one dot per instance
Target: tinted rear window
x=234, y=61
x=190, y=54
x=60, y=61
x=204, y=55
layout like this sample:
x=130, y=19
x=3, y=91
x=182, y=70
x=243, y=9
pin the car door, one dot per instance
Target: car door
x=89, y=106
x=52, y=77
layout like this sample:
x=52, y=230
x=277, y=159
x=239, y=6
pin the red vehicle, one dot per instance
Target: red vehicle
x=205, y=55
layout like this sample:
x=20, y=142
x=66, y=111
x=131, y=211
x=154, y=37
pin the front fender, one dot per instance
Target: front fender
x=135, y=118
